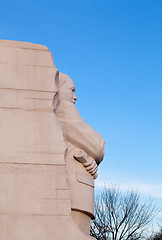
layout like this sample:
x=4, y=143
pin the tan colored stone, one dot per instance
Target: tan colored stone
x=46, y=192
x=85, y=150
x=26, y=66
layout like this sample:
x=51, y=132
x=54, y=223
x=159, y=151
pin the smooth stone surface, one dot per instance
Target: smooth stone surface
x=46, y=193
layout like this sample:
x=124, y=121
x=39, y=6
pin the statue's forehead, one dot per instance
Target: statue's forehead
x=66, y=81
x=69, y=81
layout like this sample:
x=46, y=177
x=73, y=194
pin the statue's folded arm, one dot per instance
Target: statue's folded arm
x=79, y=133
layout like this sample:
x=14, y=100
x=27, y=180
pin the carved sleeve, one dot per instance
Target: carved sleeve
x=79, y=133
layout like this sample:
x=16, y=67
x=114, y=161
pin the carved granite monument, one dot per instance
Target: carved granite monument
x=48, y=154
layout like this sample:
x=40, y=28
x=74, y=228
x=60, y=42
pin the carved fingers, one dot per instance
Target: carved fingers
x=91, y=167
x=88, y=162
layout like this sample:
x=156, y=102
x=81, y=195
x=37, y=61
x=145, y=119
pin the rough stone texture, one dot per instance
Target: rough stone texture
x=28, y=125
x=35, y=200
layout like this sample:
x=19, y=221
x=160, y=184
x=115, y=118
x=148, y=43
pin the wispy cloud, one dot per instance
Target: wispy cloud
x=147, y=189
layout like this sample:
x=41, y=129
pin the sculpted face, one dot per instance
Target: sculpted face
x=67, y=90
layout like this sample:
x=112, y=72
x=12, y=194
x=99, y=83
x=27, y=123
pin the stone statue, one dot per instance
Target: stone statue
x=48, y=159
x=85, y=150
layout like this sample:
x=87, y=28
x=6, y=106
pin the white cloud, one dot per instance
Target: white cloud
x=147, y=189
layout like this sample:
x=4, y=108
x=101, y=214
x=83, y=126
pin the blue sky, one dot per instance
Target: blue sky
x=112, y=49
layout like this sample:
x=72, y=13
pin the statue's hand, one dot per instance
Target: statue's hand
x=88, y=162
x=91, y=167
